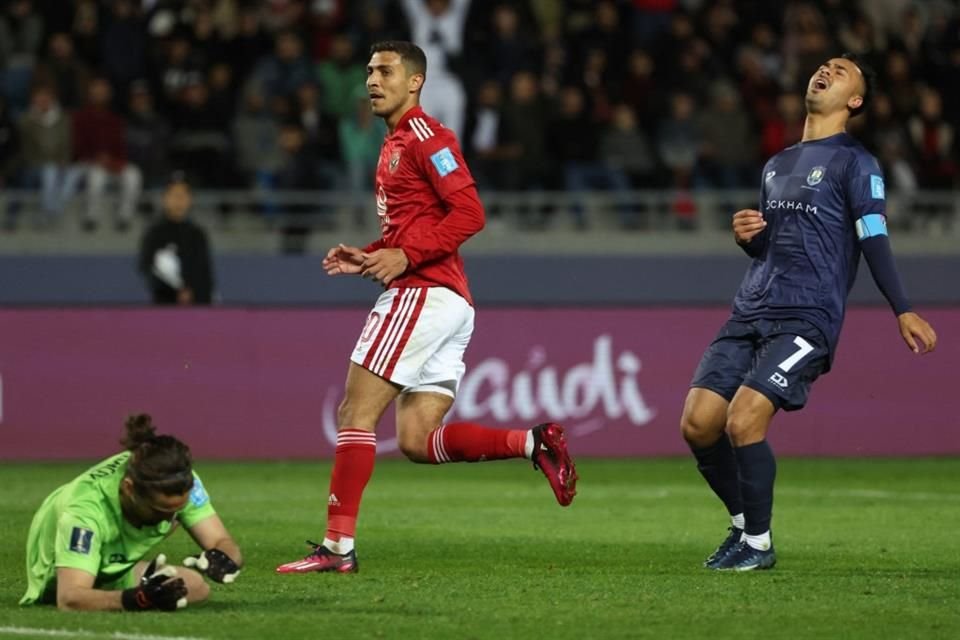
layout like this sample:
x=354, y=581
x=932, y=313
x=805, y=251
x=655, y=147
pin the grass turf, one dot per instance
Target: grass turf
x=867, y=549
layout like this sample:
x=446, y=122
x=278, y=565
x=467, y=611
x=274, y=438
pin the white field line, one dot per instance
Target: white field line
x=79, y=633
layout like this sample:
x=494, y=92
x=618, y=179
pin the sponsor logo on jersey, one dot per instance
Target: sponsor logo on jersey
x=876, y=187
x=792, y=205
x=769, y=176
x=394, y=161
x=118, y=558
x=198, y=495
x=815, y=176
x=80, y=540
x=381, y=202
x=444, y=162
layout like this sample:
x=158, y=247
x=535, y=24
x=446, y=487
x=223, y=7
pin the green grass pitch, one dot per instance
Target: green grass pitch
x=867, y=549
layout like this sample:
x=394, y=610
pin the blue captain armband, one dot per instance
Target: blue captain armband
x=870, y=225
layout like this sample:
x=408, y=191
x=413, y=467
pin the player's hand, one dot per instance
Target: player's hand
x=746, y=224
x=917, y=332
x=159, y=588
x=342, y=259
x=384, y=265
x=214, y=564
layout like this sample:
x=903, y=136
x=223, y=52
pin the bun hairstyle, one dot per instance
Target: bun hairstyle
x=158, y=464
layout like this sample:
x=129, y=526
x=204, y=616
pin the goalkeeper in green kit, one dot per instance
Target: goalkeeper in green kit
x=89, y=541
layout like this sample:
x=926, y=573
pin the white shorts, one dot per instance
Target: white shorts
x=416, y=337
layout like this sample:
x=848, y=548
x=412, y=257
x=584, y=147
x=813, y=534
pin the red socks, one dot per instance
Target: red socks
x=352, y=468
x=357, y=450
x=469, y=442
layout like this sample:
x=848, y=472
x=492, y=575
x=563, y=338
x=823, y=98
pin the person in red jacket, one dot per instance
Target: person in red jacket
x=411, y=348
x=100, y=153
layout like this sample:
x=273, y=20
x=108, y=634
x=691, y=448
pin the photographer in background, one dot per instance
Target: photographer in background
x=175, y=252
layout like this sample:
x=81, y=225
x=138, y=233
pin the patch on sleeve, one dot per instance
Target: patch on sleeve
x=80, y=540
x=444, y=162
x=198, y=495
x=872, y=224
x=876, y=187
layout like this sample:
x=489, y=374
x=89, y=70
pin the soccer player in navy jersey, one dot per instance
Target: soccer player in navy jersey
x=411, y=348
x=821, y=205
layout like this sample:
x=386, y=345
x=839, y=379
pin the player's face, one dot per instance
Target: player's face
x=388, y=84
x=150, y=508
x=836, y=85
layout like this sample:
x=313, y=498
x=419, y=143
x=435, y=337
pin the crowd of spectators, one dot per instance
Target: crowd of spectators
x=544, y=94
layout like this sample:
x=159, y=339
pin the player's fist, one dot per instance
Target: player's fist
x=746, y=224
x=214, y=564
x=159, y=588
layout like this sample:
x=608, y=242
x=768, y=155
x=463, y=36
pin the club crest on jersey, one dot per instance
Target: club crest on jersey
x=394, y=161
x=815, y=176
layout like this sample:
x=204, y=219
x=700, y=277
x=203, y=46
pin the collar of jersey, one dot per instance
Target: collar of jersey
x=411, y=112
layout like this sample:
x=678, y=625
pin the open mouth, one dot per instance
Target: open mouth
x=820, y=84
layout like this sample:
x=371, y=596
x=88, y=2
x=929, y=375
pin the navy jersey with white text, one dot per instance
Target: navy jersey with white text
x=820, y=199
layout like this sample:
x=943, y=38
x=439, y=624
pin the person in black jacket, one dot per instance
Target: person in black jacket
x=175, y=252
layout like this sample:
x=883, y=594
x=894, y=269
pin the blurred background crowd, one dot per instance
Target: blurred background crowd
x=571, y=95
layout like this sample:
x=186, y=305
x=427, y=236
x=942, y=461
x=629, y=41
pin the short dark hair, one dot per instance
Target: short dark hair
x=413, y=58
x=869, y=80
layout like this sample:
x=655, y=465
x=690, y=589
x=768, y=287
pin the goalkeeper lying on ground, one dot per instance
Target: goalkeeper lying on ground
x=88, y=541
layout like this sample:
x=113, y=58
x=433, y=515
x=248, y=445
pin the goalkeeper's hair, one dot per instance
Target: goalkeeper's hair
x=413, y=58
x=869, y=80
x=158, y=463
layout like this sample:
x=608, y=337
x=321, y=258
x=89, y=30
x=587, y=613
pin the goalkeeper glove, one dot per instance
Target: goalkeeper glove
x=215, y=564
x=159, y=588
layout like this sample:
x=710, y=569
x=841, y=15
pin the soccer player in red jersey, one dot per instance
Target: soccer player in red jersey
x=411, y=348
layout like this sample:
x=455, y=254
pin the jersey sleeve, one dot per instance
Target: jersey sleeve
x=443, y=165
x=198, y=507
x=79, y=542
x=867, y=207
x=866, y=197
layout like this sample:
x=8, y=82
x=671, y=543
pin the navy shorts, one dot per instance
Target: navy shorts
x=778, y=358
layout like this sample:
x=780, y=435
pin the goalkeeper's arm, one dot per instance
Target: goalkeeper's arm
x=220, y=559
x=159, y=588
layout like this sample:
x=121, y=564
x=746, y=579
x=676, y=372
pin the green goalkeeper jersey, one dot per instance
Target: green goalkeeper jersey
x=81, y=526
